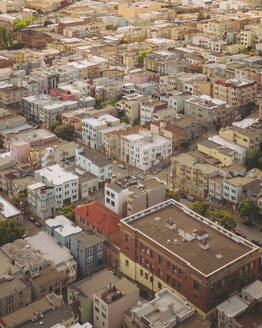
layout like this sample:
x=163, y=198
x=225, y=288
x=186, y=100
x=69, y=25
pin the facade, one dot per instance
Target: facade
x=62, y=229
x=143, y=149
x=64, y=182
x=94, y=163
x=87, y=249
x=112, y=301
x=12, y=96
x=83, y=290
x=14, y=295
x=148, y=108
x=129, y=198
x=169, y=245
x=9, y=211
x=41, y=200
x=237, y=93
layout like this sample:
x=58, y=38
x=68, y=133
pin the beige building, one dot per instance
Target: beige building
x=237, y=93
x=131, y=106
x=111, y=302
x=11, y=96
x=190, y=175
x=248, y=138
x=14, y=295
x=135, y=9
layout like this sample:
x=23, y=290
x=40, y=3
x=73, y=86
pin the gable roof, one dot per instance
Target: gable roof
x=99, y=216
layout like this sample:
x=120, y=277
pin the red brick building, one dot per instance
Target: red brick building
x=96, y=217
x=169, y=245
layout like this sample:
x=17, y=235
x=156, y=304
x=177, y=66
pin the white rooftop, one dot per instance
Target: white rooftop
x=247, y=122
x=254, y=290
x=64, y=226
x=36, y=185
x=233, y=306
x=8, y=210
x=49, y=248
x=56, y=174
x=223, y=142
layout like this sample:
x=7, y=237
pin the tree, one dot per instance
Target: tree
x=254, y=160
x=200, y=16
x=137, y=121
x=54, y=125
x=200, y=207
x=124, y=119
x=248, y=209
x=10, y=230
x=142, y=55
x=223, y=218
x=20, y=200
x=172, y=195
x=67, y=211
x=65, y=132
x=185, y=144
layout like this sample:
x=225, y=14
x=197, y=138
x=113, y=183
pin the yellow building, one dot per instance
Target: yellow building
x=133, y=10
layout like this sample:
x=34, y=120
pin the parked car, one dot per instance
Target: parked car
x=37, y=224
x=256, y=242
x=240, y=233
x=120, y=166
x=31, y=219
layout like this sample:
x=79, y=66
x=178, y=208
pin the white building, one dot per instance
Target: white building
x=144, y=150
x=94, y=163
x=92, y=130
x=65, y=183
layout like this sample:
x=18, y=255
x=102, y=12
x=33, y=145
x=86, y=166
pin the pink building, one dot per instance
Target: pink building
x=20, y=150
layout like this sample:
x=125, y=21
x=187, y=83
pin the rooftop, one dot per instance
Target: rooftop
x=88, y=239
x=8, y=287
x=233, y=306
x=63, y=226
x=56, y=174
x=7, y=210
x=95, y=157
x=181, y=240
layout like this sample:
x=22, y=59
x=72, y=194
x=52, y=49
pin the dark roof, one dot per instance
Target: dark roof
x=95, y=157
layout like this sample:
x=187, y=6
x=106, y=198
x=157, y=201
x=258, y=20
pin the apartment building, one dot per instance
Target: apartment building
x=191, y=175
x=64, y=182
x=48, y=112
x=130, y=105
x=169, y=245
x=9, y=211
x=148, y=108
x=31, y=105
x=207, y=109
x=112, y=301
x=93, y=128
x=126, y=197
x=87, y=249
x=176, y=312
x=243, y=309
x=143, y=149
x=83, y=290
x=13, y=95
x=62, y=229
x=15, y=294
x=237, y=93
x=94, y=163
x=247, y=138
x=41, y=200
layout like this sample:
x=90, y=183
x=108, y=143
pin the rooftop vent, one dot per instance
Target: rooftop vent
x=157, y=219
x=219, y=256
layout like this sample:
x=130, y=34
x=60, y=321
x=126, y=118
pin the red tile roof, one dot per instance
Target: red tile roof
x=99, y=216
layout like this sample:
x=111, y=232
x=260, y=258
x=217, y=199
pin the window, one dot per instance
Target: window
x=127, y=263
x=141, y=272
x=146, y=275
x=196, y=285
x=160, y=259
x=160, y=273
x=168, y=279
x=174, y=282
x=127, y=238
x=159, y=285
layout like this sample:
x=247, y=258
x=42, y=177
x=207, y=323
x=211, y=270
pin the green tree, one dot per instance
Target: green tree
x=142, y=55
x=54, y=125
x=20, y=200
x=137, y=121
x=124, y=119
x=223, y=218
x=21, y=24
x=185, y=145
x=248, y=209
x=111, y=27
x=172, y=195
x=67, y=211
x=254, y=160
x=65, y=132
x=200, y=16
x=10, y=230
x=200, y=207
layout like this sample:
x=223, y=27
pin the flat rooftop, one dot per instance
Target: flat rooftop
x=224, y=246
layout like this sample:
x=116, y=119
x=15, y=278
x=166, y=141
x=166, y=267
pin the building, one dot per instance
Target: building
x=64, y=182
x=59, y=256
x=9, y=211
x=207, y=109
x=247, y=138
x=168, y=130
x=13, y=95
x=112, y=301
x=166, y=309
x=149, y=108
x=243, y=310
x=191, y=175
x=87, y=249
x=83, y=290
x=237, y=93
x=15, y=294
x=94, y=163
x=144, y=150
x=41, y=200
x=62, y=229
x=105, y=223
x=169, y=245
x=126, y=197
x=130, y=105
